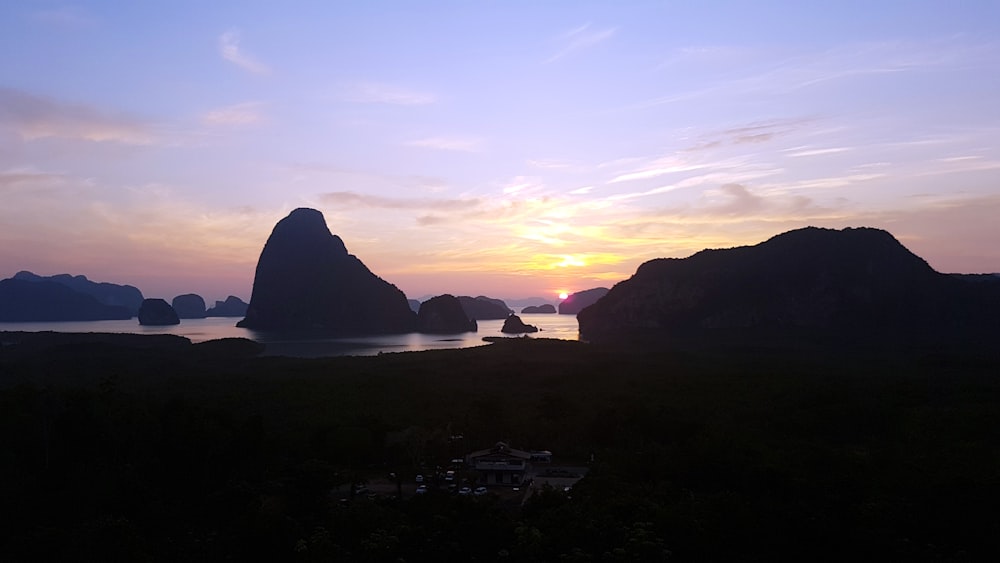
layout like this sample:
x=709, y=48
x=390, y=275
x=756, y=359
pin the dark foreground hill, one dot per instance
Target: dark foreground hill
x=306, y=280
x=854, y=281
x=134, y=448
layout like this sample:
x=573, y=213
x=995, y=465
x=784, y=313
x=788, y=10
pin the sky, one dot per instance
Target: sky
x=508, y=149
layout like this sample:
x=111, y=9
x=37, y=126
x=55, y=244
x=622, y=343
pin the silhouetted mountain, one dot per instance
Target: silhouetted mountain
x=984, y=286
x=46, y=301
x=232, y=307
x=858, y=281
x=157, y=312
x=514, y=325
x=444, y=315
x=306, y=280
x=577, y=301
x=189, y=306
x=108, y=293
x=484, y=308
x=526, y=301
x=538, y=309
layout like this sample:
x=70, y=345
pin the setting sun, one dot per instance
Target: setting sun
x=563, y=295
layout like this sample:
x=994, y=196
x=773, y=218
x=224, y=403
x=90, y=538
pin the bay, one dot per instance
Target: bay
x=563, y=327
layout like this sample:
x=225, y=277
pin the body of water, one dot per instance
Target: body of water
x=199, y=330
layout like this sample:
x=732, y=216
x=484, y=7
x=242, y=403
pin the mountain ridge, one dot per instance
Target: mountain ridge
x=859, y=279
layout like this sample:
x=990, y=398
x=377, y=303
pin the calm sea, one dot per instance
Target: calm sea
x=199, y=330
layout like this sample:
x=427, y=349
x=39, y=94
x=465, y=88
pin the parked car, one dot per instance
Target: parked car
x=480, y=491
x=420, y=478
x=449, y=475
x=465, y=491
x=422, y=489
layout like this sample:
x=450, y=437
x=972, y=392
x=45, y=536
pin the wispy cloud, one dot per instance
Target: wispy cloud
x=580, y=38
x=799, y=152
x=716, y=157
x=780, y=73
x=956, y=165
x=16, y=179
x=750, y=134
x=36, y=117
x=823, y=183
x=458, y=144
x=763, y=130
x=661, y=166
x=381, y=93
x=246, y=113
x=725, y=216
x=229, y=48
x=354, y=199
x=523, y=185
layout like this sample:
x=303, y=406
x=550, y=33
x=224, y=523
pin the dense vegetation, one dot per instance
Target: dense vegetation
x=705, y=450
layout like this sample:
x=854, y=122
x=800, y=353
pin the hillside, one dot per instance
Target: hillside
x=141, y=448
x=848, y=281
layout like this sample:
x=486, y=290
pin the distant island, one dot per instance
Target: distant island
x=27, y=297
x=157, y=312
x=232, y=307
x=484, y=308
x=444, y=314
x=576, y=302
x=111, y=294
x=539, y=309
x=47, y=301
x=189, y=306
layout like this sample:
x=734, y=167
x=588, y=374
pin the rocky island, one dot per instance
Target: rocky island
x=189, y=306
x=157, y=312
x=232, y=307
x=48, y=301
x=545, y=309
x=514, y=325
x=306, y=280
x=444, y=315
x=484, y=308
x=111, y=294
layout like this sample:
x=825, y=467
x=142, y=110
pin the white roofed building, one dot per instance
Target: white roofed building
x=500, y=465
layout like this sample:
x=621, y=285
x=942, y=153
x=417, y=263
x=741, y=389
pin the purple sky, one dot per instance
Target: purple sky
x=510, y=149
